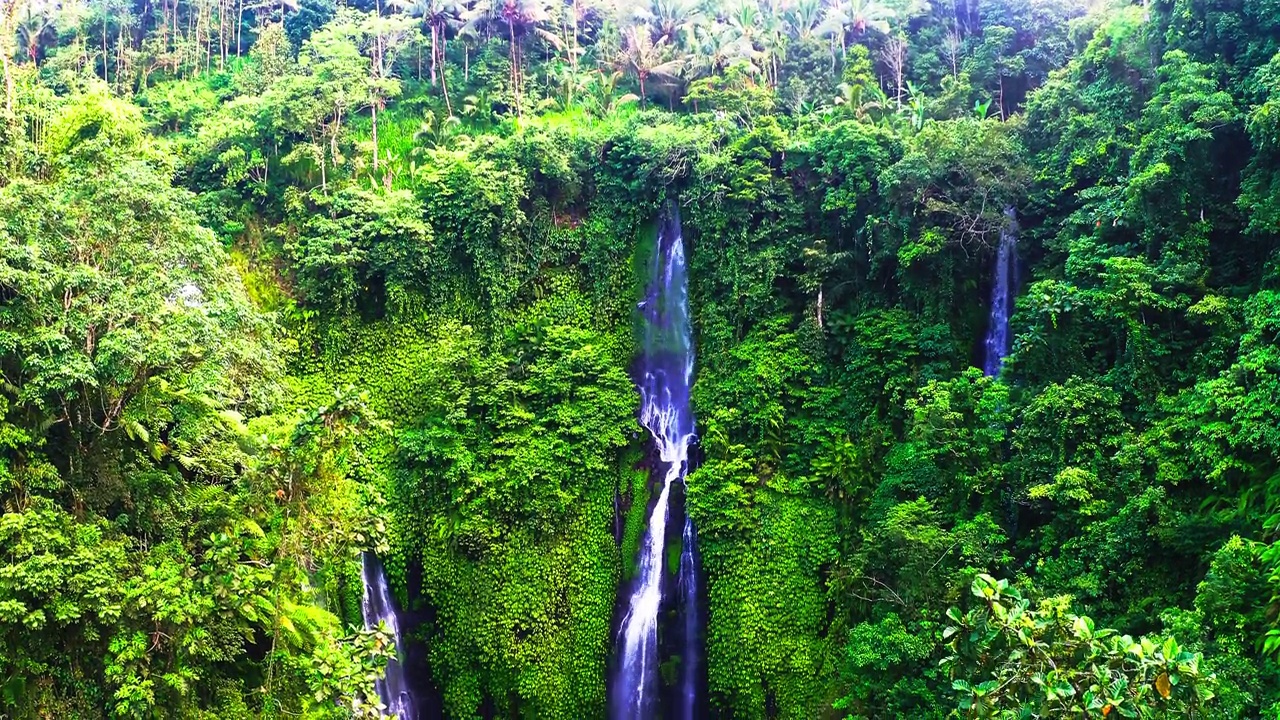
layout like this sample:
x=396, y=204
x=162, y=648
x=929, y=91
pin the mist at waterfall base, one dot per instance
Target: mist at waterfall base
x=1004, y=288
x=378, y=608
x=664, y=374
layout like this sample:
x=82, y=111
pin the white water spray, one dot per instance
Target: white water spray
x=664, y=377
x=379, y=609
x=1003, y=290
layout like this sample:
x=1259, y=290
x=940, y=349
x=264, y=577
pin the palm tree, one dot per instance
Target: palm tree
x=715, y=47
x=517, y=19
x=918, y=105
x=478, y=108
x=865, y=102
x=35, y=29
x=857, y=17
x=433, y=132
x=869, y=15
x=774, y=40
x=744, y=24
x=644, y=58
x=604, y=93
x=672, y=21
x=438, y=17
x=804, y=17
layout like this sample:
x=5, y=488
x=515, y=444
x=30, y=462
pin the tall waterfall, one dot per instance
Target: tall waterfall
x=664, y=374
x=1004, y=287
x=378, y=607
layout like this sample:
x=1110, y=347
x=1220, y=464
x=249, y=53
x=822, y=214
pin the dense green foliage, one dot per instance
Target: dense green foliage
x=281, y=283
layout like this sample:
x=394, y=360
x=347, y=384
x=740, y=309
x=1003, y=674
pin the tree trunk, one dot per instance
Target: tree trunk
x=163, y=28
x=208, y=42
x=444, y=81
x=120, y=56
x=573, y=53
x=435, y=32
x=8, y=83
x=375, y=134
x=174, y=59
x=515, y=72
x=337, y=130
x=222, y=35
x=191, y=36
x=176, y=55
x=6, y=53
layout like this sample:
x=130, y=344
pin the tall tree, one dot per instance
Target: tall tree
x=517, y=20
x=672, y=21
x=8, y=33
x=893, y=55
x=856, y=18
x=438, y=18
x=381, y=38
x=804, y=17
x=35, y=29
x=715, y=47
x=643, y=57
x=743, y=26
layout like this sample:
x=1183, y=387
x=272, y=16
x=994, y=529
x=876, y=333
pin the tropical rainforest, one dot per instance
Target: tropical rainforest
x=289, y=283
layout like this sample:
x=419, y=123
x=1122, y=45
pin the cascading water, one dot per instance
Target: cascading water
x=691, y=642
x=378, y=608
x=664, y=374
x=1003, y=288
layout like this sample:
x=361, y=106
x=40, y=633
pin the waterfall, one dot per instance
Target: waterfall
x=378, y=608
x=1003, y=288
x=691, y=642
x=663, y=376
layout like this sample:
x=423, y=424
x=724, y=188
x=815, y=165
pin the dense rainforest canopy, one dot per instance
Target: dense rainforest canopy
x=285, y=282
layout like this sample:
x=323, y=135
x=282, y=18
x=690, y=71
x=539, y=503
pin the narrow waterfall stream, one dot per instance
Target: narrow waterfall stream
x=378, y=607
x=664, y=375
x=1004, y=288
x=691, y=624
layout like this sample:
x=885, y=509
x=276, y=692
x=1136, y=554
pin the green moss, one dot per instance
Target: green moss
x=527, y=620
x=765, y=646
x=522, y=610
x=637, y=516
